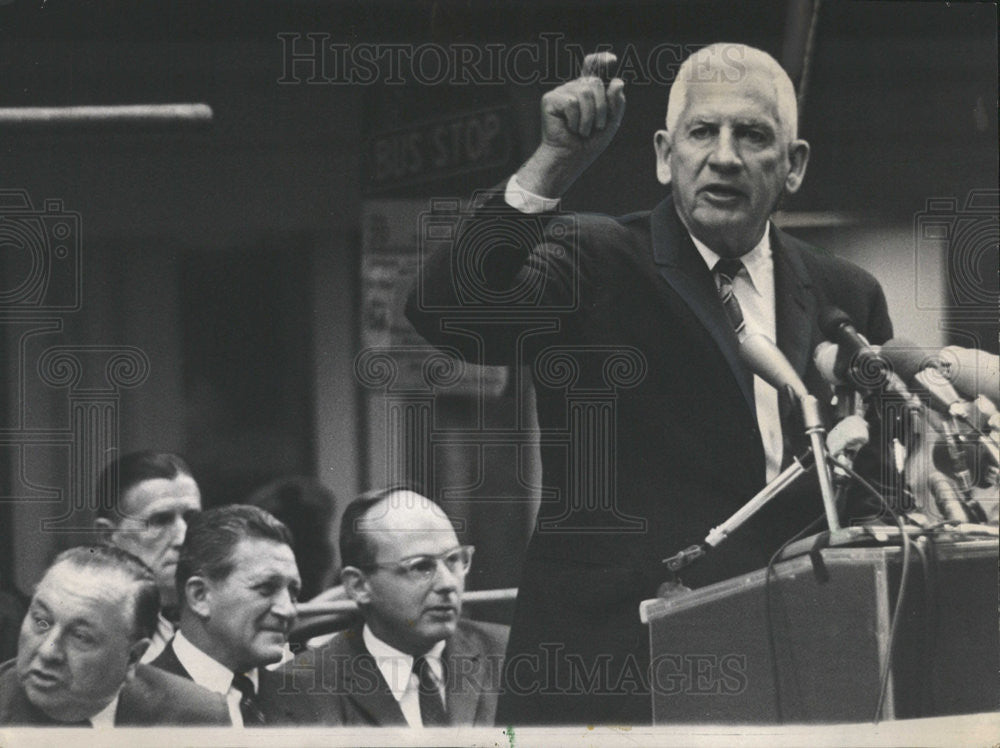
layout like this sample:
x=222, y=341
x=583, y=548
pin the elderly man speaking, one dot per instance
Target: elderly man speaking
x=646, y=311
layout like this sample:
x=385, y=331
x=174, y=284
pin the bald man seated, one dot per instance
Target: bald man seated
x=415, y=661
x=77, y=665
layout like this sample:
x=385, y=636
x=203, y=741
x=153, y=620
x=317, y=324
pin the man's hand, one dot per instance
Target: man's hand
x=579, y=119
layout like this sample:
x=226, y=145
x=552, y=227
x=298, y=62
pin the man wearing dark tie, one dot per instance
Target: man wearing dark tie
x=238, y=583
x=633, y=328
x=87, y=627
x=416, y=661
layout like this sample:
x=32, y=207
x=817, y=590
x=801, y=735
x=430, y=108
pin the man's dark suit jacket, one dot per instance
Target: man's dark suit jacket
x=634, y=320
x=277, y=708
x=150, y=698
x=343, y=685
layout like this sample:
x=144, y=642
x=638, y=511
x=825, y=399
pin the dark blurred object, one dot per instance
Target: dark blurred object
x=12, y=610
x=307, y=507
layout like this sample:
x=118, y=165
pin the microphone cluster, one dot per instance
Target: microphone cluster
x=945, y=451
x=949, y=453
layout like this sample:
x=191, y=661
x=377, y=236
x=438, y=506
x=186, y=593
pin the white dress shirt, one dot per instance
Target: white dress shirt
x=106, y=717
x=527, y=202
x=397, y=669
x=209, y=673
x=754, y=289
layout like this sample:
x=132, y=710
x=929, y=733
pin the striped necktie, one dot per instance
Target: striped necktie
x=252, y=715
x=727, y=269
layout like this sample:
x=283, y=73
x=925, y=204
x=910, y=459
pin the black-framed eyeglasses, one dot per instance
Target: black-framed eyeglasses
x=423, y=568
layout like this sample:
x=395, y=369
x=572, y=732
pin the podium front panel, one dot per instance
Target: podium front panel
x=810, y=645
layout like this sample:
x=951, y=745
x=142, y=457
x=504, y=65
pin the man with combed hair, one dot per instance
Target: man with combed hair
x=77, y=664
x=651, y=308
x=238, y=583
x=145, y=500
x=416, y=661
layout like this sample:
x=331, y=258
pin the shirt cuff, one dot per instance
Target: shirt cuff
x=527, y=202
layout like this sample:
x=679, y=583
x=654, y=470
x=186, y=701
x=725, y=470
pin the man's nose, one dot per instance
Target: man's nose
x=179, y=530
x=725, y=154
x=284, y=605
x=446, y=580
x=50, y=648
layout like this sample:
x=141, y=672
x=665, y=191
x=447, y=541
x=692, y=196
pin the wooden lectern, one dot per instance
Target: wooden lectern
x=811, y=644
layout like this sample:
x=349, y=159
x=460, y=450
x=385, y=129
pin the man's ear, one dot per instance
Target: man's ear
x=135, y=653
x=106, y=528
x=356, y=585
x=798, y=158
x=198, y=596
x=661, y=144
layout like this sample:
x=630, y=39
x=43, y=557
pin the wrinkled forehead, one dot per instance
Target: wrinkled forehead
x=154, y=495
x=255, y=556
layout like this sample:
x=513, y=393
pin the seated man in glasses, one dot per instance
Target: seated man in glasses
x=415, y=662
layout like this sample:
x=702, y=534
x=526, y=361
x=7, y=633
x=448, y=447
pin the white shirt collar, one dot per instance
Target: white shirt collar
x=757, y=261
x=396, y=666
x=205, y=670
x=106, y=717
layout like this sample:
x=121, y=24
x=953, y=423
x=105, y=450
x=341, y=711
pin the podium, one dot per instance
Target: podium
x=810, y=645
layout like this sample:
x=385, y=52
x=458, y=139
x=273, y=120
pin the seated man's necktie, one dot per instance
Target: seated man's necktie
x=252, y=715
x=432, y=709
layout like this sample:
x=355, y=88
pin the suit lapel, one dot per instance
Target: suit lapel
x=167, y=660
x=465, y=678
x=795, y=303
x=277, y=707
x=795, y=320
x=377, y=703
x=683, y=269
x=137, y=702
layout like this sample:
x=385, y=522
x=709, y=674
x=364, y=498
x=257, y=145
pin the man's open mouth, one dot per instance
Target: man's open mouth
x=722, y=192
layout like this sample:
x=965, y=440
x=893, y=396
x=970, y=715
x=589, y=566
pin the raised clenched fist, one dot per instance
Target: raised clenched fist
x=579, y=120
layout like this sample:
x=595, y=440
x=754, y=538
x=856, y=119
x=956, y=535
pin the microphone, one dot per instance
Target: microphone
x=988, y=414
x=846, y=439
x=873, y=372
x=974, y=373
x=825, y=360
x=856, y=361
x=716, y=535
x=764, y=359
x=916, y=364
x=850, y=400
x=947, y=497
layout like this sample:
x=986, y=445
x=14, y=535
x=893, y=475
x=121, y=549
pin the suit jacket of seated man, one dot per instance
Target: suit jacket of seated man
x=150, y=698
x=275, y=708
x=627, y=307
x=341, y=683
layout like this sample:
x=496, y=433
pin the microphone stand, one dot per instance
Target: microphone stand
x=814, y=429
x=786, y=477
x=801, y=464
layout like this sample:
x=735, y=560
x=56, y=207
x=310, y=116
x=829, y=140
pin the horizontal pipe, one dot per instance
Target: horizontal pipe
x=348, y=606
x=128, y=114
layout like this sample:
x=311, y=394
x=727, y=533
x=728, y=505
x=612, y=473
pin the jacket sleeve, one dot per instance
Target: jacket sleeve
x=492, y=275
x=878, y=326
